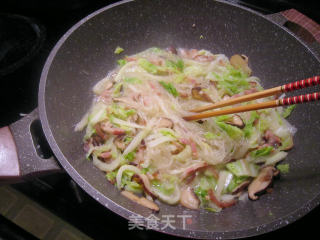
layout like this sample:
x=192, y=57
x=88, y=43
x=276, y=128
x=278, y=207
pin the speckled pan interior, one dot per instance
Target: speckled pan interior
x=85, y=54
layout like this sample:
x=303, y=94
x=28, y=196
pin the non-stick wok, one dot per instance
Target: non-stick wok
x=85, y=54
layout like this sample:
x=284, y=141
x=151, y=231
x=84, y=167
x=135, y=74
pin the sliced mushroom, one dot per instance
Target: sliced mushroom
x=199, y=94
x=261, y=182
x=240, y=62
x=241, y=187
x=189, y=199
x=272, y=139
x=172, y=50
x=236, y=121
x=245, y=58
x=141, y=200
x=146, y=184
x=164, y=123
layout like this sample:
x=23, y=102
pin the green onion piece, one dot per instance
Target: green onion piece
x=127, y=139
x=170, y=88
x=167, y=133
x=122, y=62
x=111, y=176
x=145, y=170
x=209, y=135
x=148, y=66
x=286, y=113
x=130, y=156
x=201, y=194
x=126, y=177
x=262, y=151
x=118, y=50
x=176, y=67
x=283, y=168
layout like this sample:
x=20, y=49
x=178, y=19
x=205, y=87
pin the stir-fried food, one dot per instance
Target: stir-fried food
x=135, y=132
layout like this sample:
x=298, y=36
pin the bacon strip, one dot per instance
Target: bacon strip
x=191, y=144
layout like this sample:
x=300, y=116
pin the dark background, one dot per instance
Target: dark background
x=19, y=78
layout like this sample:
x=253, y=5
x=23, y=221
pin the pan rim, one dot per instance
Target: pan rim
x=124, y=212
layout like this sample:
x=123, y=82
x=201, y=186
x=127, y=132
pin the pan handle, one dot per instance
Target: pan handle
x=301, y=26
x=21, y=155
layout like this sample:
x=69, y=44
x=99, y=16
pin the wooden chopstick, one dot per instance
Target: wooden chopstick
x=265, y=93
x=269, y=104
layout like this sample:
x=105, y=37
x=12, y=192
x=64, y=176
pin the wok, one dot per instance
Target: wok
x=84, y=55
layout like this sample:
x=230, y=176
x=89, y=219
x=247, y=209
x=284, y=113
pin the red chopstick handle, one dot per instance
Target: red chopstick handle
x=310, y=97
x=301, y=84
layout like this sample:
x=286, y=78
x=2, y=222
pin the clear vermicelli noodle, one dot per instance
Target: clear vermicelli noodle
x=135, y=132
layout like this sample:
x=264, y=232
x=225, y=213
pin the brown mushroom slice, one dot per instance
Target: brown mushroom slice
x=236, y=121
x=261, y=182
x=141, y=200
x=272, y=139
x=199, y=94
x=188, y=199
x=241, y=187
x=146, y=184
x=164, y=123
x=245, y=58
x=240, y=62
x=172, y=50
